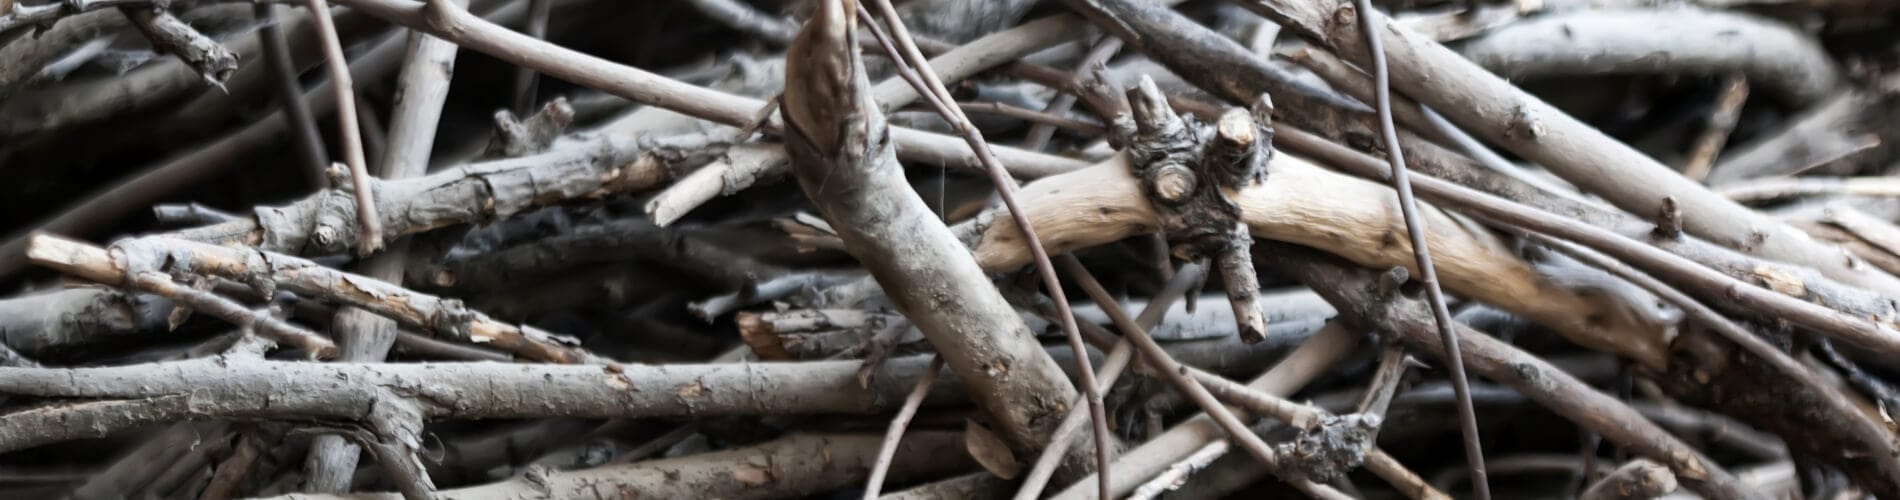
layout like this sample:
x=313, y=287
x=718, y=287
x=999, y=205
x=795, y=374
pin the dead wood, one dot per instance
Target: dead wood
x=591, y=283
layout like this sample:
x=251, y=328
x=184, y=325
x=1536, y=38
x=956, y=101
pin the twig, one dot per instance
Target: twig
x=1785, y=187
x=1037, y=117
x=444, y=317
x=1040, y=134
x=526, y=78
x=1179, y=472
x=1369, y=24
x=1112, y=368
x=1637, y=479
x=226, y=309
x=895, y=433
x=1176, y=373
x=1479, y=101
x=1728, y=108
x=1721, y=289
x=780, y=468
x=190, y=214
x=213, y=61
x=428, y=67
x=349, y=130
x=1859, y=426
x=744, y=17
x=1774, y=56
x=303, y=127
x=1385, y=382
x=844, y=160
x=1351, y=289
x=1005, y=187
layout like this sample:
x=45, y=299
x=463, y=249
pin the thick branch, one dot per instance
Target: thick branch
x=845, y=161
x=1493, y=109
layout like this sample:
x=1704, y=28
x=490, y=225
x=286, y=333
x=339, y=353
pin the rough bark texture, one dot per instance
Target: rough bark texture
x=844, y=160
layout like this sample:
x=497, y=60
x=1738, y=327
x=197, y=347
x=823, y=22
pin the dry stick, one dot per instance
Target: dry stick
x=526, y=79
x=223, y=308
x=746, y=18
x=1728, y=108
x=349, y=131
x=1006, y=189
x=1637, y=479
x=1461, y=386
x=168, y=33
x=445, y=317
x=1861, y=427
x=423, y=88
x=1040, y=134
x=1177, y=374
x=845, y=161
x=1178, y=473
x=1718, y=287
x=1112, y=366
x=747, y=164
x=1785, y=187
x=1039, y=118
x=1507, y=116
x=895, y=433
x=303, y=127
x=1352, y=290
x=1269, y=404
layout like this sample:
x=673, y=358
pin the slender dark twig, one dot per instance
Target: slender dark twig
x=1467, y=418
x=303, y=135
x=1006, y=189
x=887, y=452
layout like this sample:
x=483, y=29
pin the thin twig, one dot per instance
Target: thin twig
x=1033, y=116
x=1467, y=418
x=1785, y=187
x=1865, y=429
x=1006, y=189
x=1728, y=107
x=1040, y=134
x=303, y=127
x=1177, y=374
x=1112, y=368
x=1178, y=473
x=526, y=78
x=348, y=129
x=895, y=433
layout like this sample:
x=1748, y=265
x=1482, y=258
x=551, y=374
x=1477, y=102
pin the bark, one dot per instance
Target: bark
x=792, y=466
x=845, y=161
x=1354, y=292
x=1775, y=57
x=1493, y=109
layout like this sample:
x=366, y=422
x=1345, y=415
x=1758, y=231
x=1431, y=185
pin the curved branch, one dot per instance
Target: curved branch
x=1305, y=204
x=1774, y=56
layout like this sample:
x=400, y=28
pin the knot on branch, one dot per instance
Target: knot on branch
x=1322, y=452
x=1185, y=171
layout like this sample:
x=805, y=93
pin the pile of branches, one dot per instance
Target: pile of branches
x=950, y=249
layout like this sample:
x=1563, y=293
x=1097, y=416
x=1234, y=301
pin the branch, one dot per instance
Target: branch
x=1473, y=98
x=845, y=161
x=1772, y=55
x=782, y=468
x=445, y=317
x=168, y=34
x=428, y=66
x=1353, y=291
x=1637, y=479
